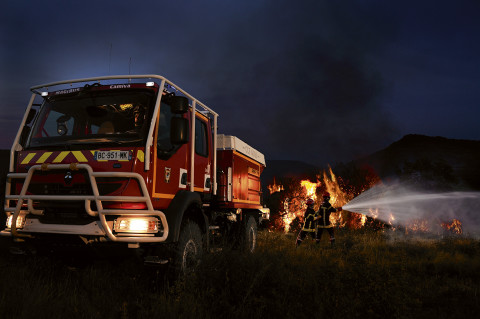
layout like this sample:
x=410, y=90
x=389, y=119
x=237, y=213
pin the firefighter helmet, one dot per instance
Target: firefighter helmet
x=310, y=202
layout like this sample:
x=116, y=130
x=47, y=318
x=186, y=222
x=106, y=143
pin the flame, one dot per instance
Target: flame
x=364, y=219
x=287, y=216
x=418, y=225
x=295, y=195
x=274, y=187
x=392, y=219
x=311, y=188
x=337, y=196
x=455, y=226
x=310, y=192
x=287, y=220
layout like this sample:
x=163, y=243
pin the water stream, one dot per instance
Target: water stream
x=400, y=205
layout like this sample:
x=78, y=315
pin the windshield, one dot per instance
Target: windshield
x=103, y=116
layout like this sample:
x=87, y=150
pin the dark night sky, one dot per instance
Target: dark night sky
x=318, y=81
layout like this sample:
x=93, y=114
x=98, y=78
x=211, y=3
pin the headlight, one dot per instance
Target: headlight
x=20, y=221
x=142, y=225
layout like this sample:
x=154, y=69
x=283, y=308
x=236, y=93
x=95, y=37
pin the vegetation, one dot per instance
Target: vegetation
x=369, y=274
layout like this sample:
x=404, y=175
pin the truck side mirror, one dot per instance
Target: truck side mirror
x=179, y=104
x=30, y=116
x=179, y=130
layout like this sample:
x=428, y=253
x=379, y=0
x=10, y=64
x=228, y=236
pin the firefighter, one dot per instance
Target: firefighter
x=309, y=223
x=323, y=216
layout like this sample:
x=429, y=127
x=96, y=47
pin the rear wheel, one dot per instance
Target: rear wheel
x=189, y=248
x=250, y=235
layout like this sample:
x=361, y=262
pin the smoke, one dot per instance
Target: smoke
x=295, y=80
x=301, y=77
x=401, y=205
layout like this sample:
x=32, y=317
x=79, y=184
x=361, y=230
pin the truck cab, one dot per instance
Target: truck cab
x=134, y=160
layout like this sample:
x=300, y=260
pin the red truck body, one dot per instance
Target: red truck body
x=130, y=159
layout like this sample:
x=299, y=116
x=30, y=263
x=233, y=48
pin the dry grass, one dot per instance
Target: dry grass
x=369, y=274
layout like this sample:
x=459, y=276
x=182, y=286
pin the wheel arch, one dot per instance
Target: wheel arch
x=255, y=213
x=185, y=205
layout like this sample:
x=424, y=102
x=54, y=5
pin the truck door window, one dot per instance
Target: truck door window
x=163, y=135
x=165, y=147
x=201, y=141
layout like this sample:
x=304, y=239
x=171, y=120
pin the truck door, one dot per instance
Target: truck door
x=170, y=164
x=203, y=169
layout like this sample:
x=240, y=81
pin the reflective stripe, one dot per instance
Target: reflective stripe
x=44, y=157
x=79, y=156
x=28, y=158
x=61, y=156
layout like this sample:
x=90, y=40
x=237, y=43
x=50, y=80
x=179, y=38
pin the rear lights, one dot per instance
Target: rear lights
x=20, y=221
x=137, y=225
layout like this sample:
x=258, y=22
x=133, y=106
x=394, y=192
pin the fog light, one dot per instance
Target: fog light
x=20, y=221
x=144, y=225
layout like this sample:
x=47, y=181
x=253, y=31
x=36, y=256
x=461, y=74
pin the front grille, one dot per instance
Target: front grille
x=104, y=188
x=71, y=213
x=59, y=189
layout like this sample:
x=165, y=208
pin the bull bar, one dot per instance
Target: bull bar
x=96, y=197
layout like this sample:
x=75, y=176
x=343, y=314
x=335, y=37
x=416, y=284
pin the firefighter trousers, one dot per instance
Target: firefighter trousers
x=330, y=232
x=302, y=234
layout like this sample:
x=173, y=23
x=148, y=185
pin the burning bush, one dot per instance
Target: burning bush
x=288, y=196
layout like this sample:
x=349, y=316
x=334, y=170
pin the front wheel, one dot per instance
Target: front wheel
x=189, y=249
x=250, y=235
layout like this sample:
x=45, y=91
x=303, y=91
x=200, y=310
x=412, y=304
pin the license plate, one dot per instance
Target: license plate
x=113, y=155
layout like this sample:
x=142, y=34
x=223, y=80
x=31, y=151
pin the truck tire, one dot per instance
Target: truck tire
x=189, y=248
x=250, y=235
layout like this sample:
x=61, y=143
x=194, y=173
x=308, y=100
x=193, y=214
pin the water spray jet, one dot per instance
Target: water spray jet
x=407, y=205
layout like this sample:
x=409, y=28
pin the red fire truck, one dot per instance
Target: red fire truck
x=134, y=160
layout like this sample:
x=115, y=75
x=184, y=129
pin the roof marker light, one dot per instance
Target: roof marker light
x=150, y=83
x=44, y=93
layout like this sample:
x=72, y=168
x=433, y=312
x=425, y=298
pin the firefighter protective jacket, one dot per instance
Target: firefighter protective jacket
x=324, y=215
x=309, y=220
